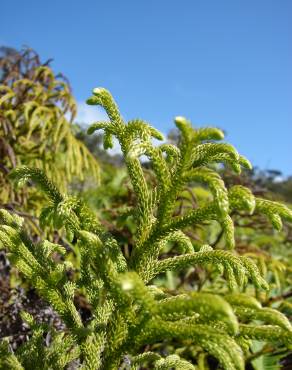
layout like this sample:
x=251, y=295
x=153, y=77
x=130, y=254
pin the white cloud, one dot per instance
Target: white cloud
x=87, y=114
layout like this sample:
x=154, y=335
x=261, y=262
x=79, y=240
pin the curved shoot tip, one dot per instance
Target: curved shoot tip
x=93, y=100
x=157, y=135
x=245, y=162
x=102, y=125
x=91, y=130
x=217, y=134
x=97, y=90
x=180, y=119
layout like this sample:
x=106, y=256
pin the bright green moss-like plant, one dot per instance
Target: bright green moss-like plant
x=133, y=321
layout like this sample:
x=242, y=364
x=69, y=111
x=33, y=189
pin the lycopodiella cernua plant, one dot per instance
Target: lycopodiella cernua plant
x=134, y=323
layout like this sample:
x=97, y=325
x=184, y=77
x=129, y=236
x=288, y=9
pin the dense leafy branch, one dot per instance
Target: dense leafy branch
x=128, y=311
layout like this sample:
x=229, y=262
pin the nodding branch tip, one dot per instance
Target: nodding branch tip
x=98, y=90
x=179, y=119
x=92, y=101
x=90, y=130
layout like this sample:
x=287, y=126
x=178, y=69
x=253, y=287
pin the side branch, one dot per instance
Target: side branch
x=149, y=250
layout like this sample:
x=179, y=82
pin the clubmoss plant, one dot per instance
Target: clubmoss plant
x=129, y=313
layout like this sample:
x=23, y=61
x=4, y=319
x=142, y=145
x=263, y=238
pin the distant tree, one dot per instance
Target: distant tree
x=36, y=114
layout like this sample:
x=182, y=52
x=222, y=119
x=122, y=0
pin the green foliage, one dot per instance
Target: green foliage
x=132, y=320
x=37, y=111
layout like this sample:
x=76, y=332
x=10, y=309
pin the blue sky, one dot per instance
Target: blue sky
x=225, y=63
